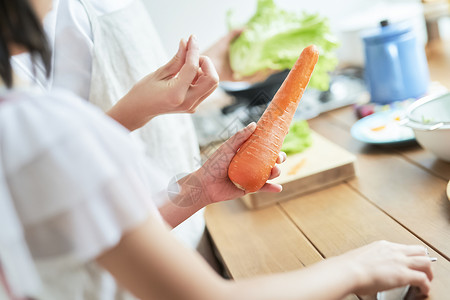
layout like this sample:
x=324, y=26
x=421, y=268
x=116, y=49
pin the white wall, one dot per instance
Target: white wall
x=206, y=18
x=175, y=19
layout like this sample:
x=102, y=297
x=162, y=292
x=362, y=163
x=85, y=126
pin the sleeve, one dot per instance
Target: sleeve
x=18, y=274
x=78, y=196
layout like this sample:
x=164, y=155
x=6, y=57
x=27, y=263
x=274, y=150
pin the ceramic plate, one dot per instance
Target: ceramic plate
x=382, y=127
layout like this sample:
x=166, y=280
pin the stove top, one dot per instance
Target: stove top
x=221, y=122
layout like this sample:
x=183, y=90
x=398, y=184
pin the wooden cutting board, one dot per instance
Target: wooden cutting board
x=322, y=164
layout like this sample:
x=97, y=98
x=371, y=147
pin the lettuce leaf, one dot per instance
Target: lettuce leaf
x=298, y=138
x=273, y=39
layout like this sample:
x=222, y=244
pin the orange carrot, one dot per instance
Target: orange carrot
x=250, y=168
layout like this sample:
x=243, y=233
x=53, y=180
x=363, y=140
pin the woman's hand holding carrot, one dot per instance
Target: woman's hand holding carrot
x=211, y=183
x=177, y=87
x=213, y=174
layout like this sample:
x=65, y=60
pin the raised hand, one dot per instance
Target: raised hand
x=177, y=87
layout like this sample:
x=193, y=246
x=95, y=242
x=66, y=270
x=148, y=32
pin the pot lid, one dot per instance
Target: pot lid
x=386, y=31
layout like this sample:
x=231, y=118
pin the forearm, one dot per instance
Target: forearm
x=326, y=280
x=184, y=198
x=128, y=116
x=174, y=215
x=149, y=262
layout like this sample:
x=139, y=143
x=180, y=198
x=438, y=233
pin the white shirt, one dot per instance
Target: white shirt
x=69, y=31
x=76, y=183
x=70, y=35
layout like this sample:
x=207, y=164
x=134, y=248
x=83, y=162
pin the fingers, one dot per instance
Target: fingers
x=281, y=157
x=240, y=137
x=409, y=250
x=200, y=100
x=174, y=65
x=417, y=258
x=226, y=152
x=420, y=280
x=422, y=264
x=276, y=171
x=412, y=250
x=206, y=82
x=410, y=262
x=191, y=64
x=271, y=188
x=209, y=71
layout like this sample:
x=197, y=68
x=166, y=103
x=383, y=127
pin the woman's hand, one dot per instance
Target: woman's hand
x=177, y=87
x=220, y=55
x=210, y=183
x=384, y=265
x=214, y=173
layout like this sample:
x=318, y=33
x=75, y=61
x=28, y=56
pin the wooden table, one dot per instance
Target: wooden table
x=399, y=195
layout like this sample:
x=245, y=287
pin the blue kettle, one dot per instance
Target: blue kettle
x=396, y=67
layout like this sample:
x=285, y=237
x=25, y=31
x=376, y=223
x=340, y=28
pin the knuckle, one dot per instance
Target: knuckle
x=215, y=79
x=176, y=100
x=381, y=243
x=194, y=64
x=212, y=82
x=423, y=278
x=177, y=57
x=402, y=277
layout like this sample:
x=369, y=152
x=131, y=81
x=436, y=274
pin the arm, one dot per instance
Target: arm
x=210, y=183
x=177, y=87
x=151, y=264
x=219, y=53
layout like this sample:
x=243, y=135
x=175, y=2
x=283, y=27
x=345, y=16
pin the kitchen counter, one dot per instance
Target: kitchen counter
x=397, y=195
x=438, y=53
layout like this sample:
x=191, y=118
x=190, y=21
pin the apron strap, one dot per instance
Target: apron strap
x=92, y=15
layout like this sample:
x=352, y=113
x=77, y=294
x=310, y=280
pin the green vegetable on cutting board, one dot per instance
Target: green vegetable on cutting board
x=273, y=39
x=298, y=138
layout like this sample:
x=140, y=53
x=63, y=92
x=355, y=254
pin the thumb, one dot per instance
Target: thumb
x=234, y=143
x=233, y=34
x=176, y=63
x=226, y=152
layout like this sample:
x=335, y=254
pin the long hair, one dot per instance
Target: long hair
x=19, y=25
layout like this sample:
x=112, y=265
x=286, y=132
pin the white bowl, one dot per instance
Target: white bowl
x=429, y=117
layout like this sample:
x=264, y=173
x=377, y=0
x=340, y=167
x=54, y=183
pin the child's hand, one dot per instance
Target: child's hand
x=214, y=173
x=384, y=265
x=177, y=87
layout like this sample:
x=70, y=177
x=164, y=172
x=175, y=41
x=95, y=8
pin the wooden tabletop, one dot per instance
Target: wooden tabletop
x=399, y=194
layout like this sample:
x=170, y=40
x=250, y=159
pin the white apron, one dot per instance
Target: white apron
x=127, y=48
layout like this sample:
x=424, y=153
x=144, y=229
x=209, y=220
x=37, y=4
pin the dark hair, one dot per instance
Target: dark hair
x=20, y=25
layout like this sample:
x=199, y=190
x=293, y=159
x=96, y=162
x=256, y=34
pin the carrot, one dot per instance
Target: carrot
x=250, y=168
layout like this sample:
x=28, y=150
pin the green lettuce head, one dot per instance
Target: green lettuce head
x=274, y=38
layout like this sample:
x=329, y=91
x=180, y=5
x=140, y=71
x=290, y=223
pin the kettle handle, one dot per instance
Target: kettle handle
x=394, y=67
